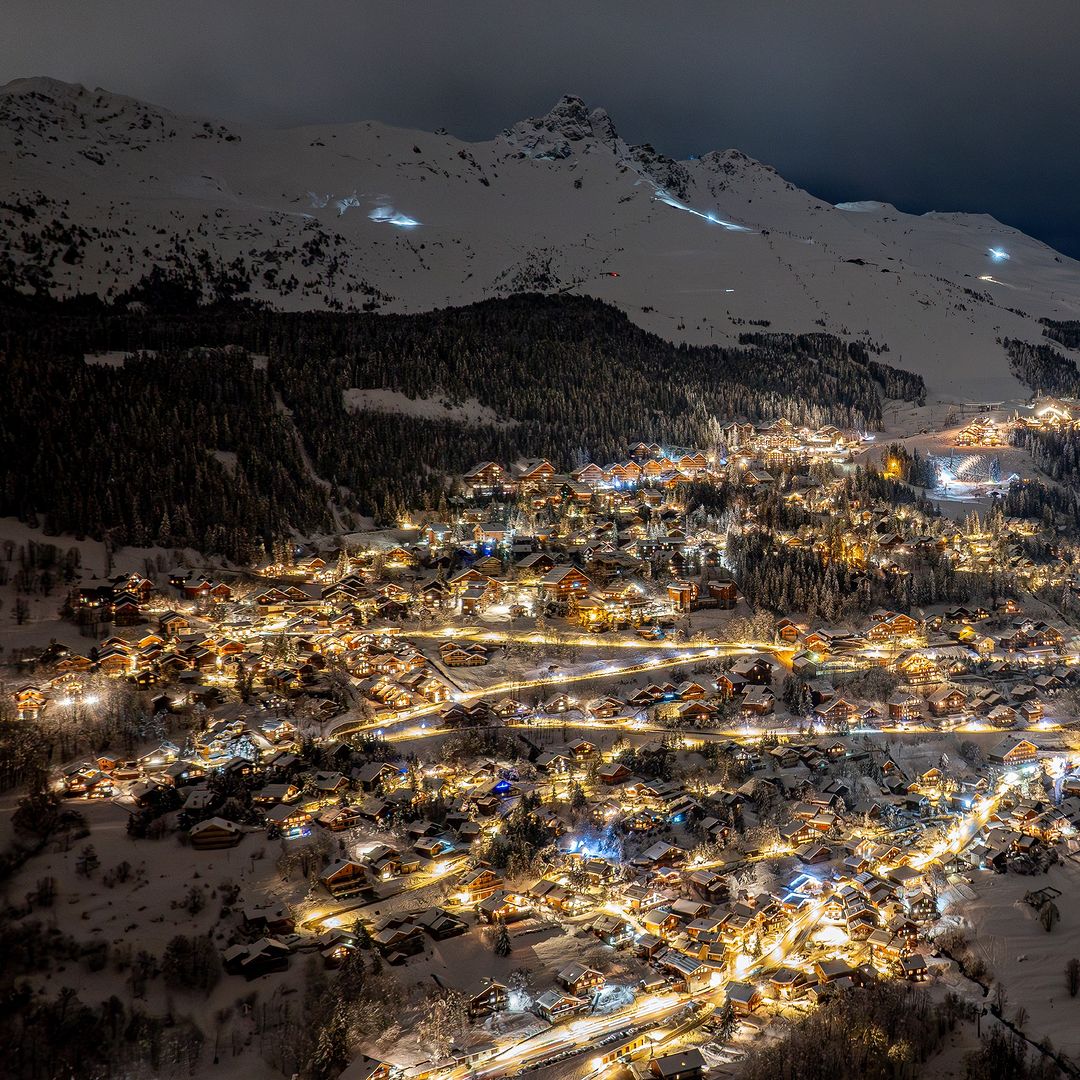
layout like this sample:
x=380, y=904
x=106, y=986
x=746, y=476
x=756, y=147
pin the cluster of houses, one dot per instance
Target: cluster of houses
x=1050, y=413
x=984, y=432
x=261, y=662
x=693, y=926
x=745, y=447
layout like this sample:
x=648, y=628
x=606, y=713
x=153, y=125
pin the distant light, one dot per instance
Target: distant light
x=393, y=217
x=998, y=254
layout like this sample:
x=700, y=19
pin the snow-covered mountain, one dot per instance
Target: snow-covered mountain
x=96, y=189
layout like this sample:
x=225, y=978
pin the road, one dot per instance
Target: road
x=350, y=725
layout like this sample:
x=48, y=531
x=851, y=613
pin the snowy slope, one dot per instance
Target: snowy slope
x=95, y=189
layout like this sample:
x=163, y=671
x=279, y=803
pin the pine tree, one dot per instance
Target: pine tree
x=331, y=1053
x=502, y=946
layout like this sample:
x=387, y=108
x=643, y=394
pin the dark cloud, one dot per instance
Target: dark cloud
x=930, y=105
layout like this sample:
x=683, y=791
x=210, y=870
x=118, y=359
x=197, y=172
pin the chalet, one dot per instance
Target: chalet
x=786, y=982
x=696, y=712
x=890, y=625
x=757, y=701
x=682, y=593
x=215, y=833
x=552, y=895
x=259, y=958
x=811, y=853
x=554, y=1005
x=440, y=924
x=330, y=783
x=1031, y=711
x=755, y=669
x=272, y=794
x=272, y=598
x=614, y=772
x=725, y=591
x=375, y=775
x=533, y=566
x=904, y=706
x=612, y=930
x=686, y=1065
x=1013, y=751
x=561, y=583
x=730, y=684
x=709, y=885
x=687, y=972
x=346, y=878
x=504, y=906
x=197, y=590
x=340, y=818
x=477, y=885
x=796, y=833
x=288, y=821
x=29, y=701
x=485, y=997
x=947, y=701
x=487, y=478
x=660, y=854
x=580, y=980
x=268, y=920
x=662, y=923
x=398, y=938
x=837, y=710
x=474, y=655
x=532, y=474
x=743, y=998
x=604, y=708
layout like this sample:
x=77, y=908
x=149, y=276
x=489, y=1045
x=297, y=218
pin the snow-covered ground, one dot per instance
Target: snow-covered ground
x=1029, y=961
x=469, y=411
x=364, y=214
x=146, y=912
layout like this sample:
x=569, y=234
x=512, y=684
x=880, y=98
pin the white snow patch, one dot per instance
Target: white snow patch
x=862, y=206
x=114, y=358
x=227, y=459
x=469, y=411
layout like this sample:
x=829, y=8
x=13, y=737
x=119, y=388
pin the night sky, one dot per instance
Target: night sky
x=943, y=105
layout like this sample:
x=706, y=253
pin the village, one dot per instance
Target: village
x=556, y=755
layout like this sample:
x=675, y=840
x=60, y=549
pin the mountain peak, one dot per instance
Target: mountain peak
x=42, y=84
x=568, y=121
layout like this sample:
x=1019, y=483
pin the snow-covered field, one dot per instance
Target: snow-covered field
x=1029, y=961
x=145, y=912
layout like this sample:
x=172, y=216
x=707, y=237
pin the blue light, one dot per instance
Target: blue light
x=998, y=254
x=393, y=217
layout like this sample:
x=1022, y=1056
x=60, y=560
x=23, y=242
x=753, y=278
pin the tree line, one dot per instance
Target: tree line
x=229, y=429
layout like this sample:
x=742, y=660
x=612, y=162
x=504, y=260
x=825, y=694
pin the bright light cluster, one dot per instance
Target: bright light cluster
x=393, y=217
